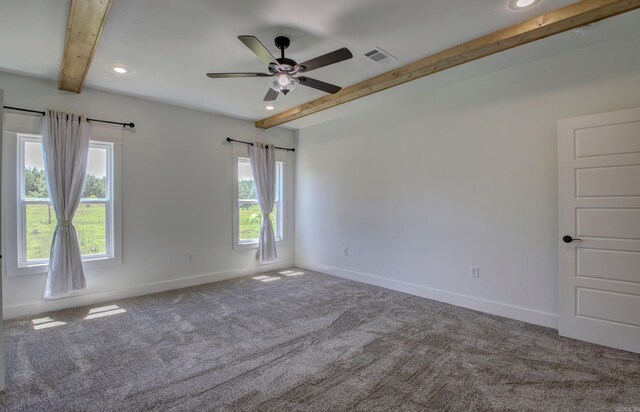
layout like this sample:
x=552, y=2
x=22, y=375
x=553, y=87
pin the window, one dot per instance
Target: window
x=247, y=211
x=94, y=218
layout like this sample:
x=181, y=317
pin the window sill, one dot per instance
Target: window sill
x=254, y=245
x=41, y=268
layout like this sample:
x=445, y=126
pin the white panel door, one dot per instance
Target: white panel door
x=599, y=196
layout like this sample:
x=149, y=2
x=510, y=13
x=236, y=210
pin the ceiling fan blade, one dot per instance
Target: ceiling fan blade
x=320, y=85
x=258, y=48
x=270, y=96
x=229, y=75
x=326, y=59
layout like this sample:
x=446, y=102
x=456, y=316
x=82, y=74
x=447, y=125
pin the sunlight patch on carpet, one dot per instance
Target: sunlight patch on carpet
x=286, y=272
x=44, y=323
x=104, y=311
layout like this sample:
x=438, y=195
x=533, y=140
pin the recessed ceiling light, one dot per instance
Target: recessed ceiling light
x=522, y=4
x=119, y=69
x=269, y=107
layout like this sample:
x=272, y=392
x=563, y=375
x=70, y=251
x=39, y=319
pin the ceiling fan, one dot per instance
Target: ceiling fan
x=284, y=70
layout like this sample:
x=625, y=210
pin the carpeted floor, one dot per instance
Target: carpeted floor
x=303, y=342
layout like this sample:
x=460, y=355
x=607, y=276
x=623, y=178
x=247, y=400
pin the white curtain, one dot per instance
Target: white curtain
x=263, y=167
x=66, y=152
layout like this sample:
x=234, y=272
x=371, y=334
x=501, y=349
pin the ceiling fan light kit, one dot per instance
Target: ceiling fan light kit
x=284, y=70
x=283, y=83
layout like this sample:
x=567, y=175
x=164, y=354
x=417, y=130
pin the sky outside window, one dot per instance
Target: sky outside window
x=97, y=165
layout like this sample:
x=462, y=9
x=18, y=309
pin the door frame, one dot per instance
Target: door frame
x=2, y=371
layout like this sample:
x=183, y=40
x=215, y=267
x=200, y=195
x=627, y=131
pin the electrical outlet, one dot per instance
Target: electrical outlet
x=345, y=252
x=190, y=257
x=475, y=271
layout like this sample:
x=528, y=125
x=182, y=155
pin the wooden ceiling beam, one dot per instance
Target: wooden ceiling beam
x=84, y=28
x=576, y=15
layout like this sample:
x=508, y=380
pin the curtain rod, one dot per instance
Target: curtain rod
x=251, y=144
x=131, y=125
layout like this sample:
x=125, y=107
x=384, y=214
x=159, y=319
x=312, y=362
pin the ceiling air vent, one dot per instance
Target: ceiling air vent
x=380, y=56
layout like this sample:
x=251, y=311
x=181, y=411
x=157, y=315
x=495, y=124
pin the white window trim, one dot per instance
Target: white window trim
x=10, y=229
x=23, y=262
x=242, y=151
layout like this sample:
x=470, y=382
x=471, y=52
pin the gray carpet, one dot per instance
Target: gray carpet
x=304, y=342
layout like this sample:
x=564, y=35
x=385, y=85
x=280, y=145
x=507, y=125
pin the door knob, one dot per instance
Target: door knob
x=569, y=239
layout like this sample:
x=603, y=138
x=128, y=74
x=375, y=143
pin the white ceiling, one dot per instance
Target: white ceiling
x=169, y=45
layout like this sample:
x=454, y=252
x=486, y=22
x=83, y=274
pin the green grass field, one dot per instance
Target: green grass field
x=89, y=221
x=250, y=219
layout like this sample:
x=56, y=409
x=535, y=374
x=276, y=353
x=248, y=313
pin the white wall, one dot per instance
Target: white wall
x=437, y=180
x=2, y=381
x=177, y=180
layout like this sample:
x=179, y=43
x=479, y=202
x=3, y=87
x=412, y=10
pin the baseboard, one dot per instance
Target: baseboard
x=90, y=298
x=470, y=302
x=488, y=306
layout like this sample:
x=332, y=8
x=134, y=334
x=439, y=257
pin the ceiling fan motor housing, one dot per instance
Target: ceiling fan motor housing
x=284, y=62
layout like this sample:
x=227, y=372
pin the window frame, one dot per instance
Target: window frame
x=23, y=201
x=242, y=152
